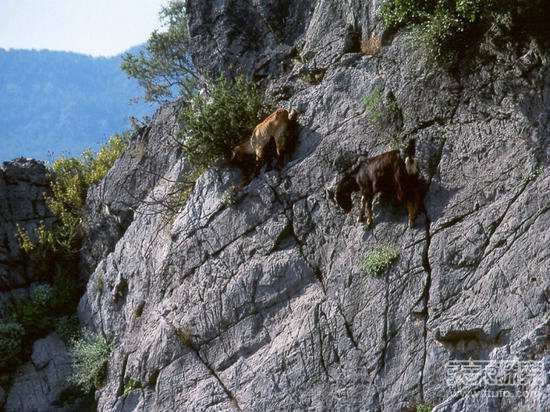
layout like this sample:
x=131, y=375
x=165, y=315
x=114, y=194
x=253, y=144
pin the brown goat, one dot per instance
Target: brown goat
x=278, y=131
x=388, y=175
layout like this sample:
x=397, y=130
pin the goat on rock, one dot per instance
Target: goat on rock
x=278, y=131
x=387, y=174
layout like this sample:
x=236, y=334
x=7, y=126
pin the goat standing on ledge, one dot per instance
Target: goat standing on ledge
x=388, y=175
x=280, y=130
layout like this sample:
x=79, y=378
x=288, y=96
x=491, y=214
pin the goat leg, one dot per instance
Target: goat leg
x=411, y=209
x=369, y=211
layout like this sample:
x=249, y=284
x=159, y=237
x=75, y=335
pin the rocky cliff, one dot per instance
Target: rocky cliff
x=261, y=304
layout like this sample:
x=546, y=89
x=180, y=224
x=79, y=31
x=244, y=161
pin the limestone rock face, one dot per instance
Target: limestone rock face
x=110, y=205
x=262, y=304
x=38, y=385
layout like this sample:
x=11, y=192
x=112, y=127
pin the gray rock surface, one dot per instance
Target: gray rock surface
x=110, y=205
x=39, y=384
x=262, y=305
x=23, y=183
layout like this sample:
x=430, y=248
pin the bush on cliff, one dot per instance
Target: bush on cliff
x=70, y=178
x=380, y=259
x=90, y=353
x=213, y=123
x=448, y=27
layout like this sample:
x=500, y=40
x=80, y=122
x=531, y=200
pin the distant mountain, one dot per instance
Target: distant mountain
x=54, y=103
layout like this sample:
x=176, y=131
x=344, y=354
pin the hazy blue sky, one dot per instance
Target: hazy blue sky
x=96, y=27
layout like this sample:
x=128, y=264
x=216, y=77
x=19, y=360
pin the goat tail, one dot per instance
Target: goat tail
x=344, y=189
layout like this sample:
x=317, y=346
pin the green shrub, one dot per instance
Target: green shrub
x=230, y=197
x=49, y=307
x=423, y=407
x=185, y=336
x=42, y=295
x=99, y=283
x=90, y=354
x=70, y=178
x=446, y=27
x=11, y=342
x=33, y=314
x=372, y=103
x=131, y=385
x=380, y=259
x=212, y=125
x=378, y=107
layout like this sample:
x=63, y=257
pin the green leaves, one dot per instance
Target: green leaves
x=444, y=27
x=90, y=354
x=70, y=178
x=164, y=68
x=379, y=260
x=211, y=125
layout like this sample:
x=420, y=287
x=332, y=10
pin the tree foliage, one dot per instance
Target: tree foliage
x=163, y=68
x=211, y=125
x=448, y=27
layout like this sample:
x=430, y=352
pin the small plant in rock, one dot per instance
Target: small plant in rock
x=380, y=259
x=313, y=76
x=130, y=385
x=379, y=107
x=230, y=196
x=42, y=294
x=185, y=336
x=90, y=354
x=35, y=314
x=99, y=283
x=535, y=173
x=373, y=103
x=423, y=407
x=138, y=310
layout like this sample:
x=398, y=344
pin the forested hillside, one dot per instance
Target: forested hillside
x=60, y=102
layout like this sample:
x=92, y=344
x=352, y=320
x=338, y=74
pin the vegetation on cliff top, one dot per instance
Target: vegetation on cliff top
x=446, y=28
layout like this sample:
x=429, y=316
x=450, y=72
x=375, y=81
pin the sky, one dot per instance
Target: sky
x=95, y=27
